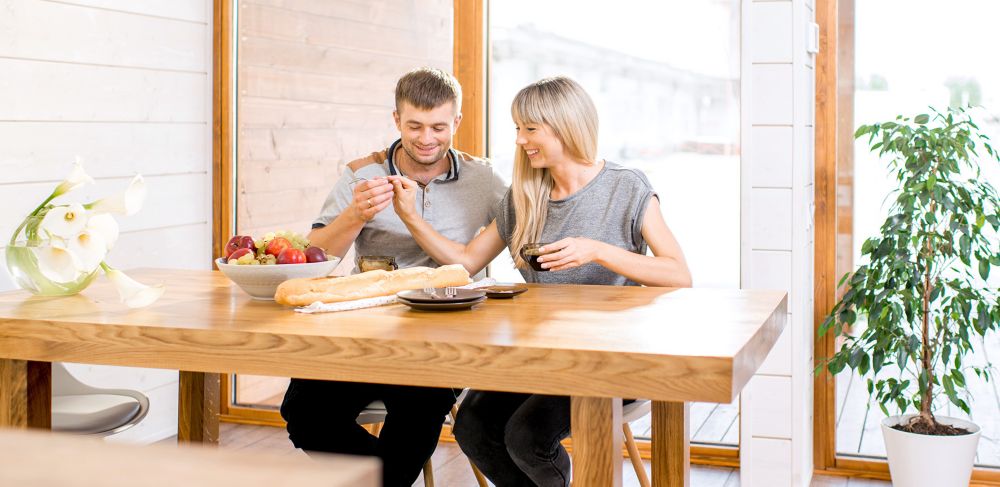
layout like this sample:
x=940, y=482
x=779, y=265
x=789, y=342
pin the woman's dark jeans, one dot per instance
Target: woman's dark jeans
x=514, y=438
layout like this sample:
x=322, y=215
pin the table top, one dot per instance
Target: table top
x=606, y=341
x=37, y=459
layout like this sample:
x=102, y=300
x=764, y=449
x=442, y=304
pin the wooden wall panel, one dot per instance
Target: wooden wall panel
x=316, y=83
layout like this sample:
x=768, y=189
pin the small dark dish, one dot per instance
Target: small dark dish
x=504, y=291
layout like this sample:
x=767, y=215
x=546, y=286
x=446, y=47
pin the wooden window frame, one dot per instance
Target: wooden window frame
x=834, y=228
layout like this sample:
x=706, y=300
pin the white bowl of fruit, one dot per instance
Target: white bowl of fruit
x=258, y=266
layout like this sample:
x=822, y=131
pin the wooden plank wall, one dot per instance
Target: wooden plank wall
x=315, y=83
x=125, y=86
x=315, y=90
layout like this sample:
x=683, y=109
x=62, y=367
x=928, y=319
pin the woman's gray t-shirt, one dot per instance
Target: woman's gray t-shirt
x=609, y=208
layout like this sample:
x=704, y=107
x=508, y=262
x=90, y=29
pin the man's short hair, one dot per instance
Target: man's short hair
x=428, y=88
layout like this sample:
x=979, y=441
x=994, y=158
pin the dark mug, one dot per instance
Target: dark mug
x=530, y=253
x=373, y=262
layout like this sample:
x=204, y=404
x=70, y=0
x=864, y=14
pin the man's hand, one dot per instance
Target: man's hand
x=370, y=197
x=569, y=253
x=404, y=196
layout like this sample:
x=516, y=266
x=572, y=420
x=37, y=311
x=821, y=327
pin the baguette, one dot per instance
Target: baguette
x=303, y=292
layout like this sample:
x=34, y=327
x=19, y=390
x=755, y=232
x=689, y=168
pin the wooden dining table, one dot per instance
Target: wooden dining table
x=596, y=344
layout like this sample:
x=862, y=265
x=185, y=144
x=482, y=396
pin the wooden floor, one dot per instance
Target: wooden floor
x=858, y=419
x=452, y=469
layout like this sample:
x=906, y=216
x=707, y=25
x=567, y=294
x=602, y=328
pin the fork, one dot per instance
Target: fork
x=450, y=291
x=431, y=292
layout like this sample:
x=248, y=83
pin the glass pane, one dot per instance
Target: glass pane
x=902, y=82
x=666, y=84
x=259, y=391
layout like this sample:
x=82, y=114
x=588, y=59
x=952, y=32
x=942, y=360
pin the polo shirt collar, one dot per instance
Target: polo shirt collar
x=453, y=169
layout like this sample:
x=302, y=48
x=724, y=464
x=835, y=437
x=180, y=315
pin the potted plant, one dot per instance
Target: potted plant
x=923, y=294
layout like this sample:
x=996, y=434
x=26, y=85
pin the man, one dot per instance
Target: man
x=458, y=195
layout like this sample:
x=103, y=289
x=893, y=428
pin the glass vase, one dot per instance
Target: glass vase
x=23, y=267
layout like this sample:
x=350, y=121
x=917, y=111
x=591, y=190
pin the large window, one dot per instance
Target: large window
x=948, y=60
x=665, y=79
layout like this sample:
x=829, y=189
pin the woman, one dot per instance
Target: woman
x=599, y=218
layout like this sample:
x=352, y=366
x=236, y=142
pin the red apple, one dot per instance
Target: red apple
x=238, y=242
x=291, y=256
x=315, y=254
x=237, y=254
x=276, y=245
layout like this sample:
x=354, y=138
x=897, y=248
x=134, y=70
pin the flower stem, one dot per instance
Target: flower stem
x=13, y=238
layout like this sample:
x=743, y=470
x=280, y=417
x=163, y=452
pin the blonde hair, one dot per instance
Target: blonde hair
x=562, y=105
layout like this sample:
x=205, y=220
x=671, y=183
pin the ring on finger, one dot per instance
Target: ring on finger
x=370, y=205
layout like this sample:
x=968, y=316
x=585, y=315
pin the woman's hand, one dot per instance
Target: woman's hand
x=404, y=196
x=570, y=252
x=370, y=197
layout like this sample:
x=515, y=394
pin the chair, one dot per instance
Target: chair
x=83, y=409
x=632, y=412
x=375, y=414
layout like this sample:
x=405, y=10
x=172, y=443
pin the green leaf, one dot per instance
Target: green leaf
x=922, y=119
x=984, y=268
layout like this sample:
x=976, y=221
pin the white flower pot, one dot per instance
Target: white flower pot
x=924, y=460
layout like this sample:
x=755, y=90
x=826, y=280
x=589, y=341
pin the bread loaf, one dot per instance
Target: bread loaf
x=303, y=292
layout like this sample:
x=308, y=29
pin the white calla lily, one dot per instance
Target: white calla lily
x=77, y=177
x=133, y=293
x=88, y=249
x=125, y=203
x=64, y=221
x=106, y=226
x=56, y=263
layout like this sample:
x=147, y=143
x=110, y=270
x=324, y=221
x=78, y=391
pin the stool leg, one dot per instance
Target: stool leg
x=633, y=454
x=428, y=474
x=480, y=479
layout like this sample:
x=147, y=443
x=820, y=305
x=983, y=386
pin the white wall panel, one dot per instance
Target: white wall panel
x=771, y=462
x=105, y=37
x=771, y=100
x=44, y=151
x=772, y=157
x=772, y=417
x=40, y=90
x=771, y=219
x=771, y=25
x=188, y=10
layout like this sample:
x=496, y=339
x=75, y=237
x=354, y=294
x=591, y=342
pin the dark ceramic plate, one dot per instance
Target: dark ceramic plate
x=461, y=295
x=442, y=306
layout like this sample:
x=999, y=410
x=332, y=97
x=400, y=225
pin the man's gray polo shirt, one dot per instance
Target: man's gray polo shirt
x=457, y=204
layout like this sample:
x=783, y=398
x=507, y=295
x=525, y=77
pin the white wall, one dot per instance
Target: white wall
x=777, y=235
x=125, y=85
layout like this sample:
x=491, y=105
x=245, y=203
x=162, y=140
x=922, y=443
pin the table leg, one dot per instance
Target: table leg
x=597, y=441
x=671, y=444
x=25, y=394
x=198, y=410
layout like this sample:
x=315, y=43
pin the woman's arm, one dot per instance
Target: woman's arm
x=474, y=256
x=666, y=267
